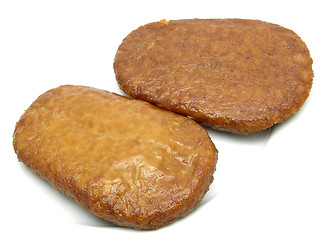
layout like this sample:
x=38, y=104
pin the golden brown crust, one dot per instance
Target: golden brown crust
x=232, y=74
x=125, y=160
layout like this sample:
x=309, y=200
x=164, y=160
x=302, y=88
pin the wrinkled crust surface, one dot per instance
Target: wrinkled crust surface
x=232, y=74
x=125, y=160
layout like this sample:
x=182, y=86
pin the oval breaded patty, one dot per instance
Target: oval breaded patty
x=125, y=160
x=231, y=74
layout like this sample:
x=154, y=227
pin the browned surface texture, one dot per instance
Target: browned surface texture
x=125, y=160
x=232, y=74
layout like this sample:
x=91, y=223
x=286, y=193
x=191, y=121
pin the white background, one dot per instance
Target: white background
x=267, y=185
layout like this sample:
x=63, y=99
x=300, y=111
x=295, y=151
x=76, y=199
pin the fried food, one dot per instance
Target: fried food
x=234, y=75
x=125, y=160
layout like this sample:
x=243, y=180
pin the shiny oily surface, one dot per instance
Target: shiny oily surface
x=234, y=75
x=125, y=160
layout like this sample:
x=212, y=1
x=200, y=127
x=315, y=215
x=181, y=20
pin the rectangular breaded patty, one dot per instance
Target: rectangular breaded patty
x=125, y=160
x=235, y=75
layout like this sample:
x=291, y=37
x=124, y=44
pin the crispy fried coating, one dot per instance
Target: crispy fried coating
x=234, y=75
x=125, y=160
